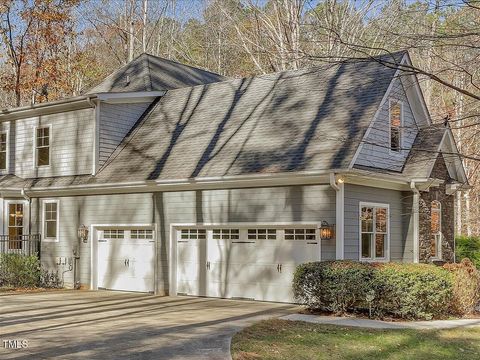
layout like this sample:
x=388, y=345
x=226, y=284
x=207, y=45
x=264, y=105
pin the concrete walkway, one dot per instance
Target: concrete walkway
x=377, y=324
x=119, y=325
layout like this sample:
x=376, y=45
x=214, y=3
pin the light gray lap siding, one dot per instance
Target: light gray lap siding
x=312, y=203
x=400, y=244
x=71, y=144
x=258, y=205
x=88, y=210
x=116, y=120
x=375, y=150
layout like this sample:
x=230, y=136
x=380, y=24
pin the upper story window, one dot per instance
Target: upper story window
x=42, y=146
x=396, y=120
x=3, y=151
x=436, y=229
x=374, y=231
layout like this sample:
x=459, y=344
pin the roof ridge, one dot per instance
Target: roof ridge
x=148, y=84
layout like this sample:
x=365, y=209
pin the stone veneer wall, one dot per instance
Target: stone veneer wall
x=447, y=222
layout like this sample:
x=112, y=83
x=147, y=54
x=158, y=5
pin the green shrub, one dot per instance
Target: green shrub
x=466, y=286
x=20, y=271
x=468, y=247
x=411, y=291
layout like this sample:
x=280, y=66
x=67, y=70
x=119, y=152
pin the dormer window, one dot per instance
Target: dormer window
x=42, y=146
x=396, y=116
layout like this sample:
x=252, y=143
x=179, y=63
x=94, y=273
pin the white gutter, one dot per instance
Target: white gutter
x=416, y=222
x=339, y=216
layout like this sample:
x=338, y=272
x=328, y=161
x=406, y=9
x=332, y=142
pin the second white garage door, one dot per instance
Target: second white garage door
x=255, y=263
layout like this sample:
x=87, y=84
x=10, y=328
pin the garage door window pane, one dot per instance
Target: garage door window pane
x=262, y=234
x=193, y=234
x=141, y=234
x=113, y=234
x=226, y=234
x=300, y=234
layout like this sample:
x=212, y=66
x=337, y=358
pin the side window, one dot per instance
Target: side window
x=3, y=151
x=436, y=229
x=50, y=220
x=395, y=125
x=42, y=146
x=374, y=232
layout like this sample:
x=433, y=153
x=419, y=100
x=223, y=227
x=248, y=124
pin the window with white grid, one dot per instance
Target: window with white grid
x=226, y=234
x=262, y=234
x=300, y=234
x=141, y=234
x=193, y=234
x=113, y=234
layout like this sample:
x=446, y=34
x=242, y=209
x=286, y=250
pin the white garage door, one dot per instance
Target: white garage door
x=126, y=259
x=255, y=263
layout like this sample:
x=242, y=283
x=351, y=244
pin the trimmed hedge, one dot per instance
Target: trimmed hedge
x=20, y=271
x=409, y=291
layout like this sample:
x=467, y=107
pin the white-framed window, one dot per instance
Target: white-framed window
x=193, y=234
x=396, y=123
x=42, y=145
x=436, y=229
x=374, y=232
x=300, y=234
x=3, y=150
x=113, y=234
x=50, y=220
x=141, y=234
x=226, y=234
x=262, y=234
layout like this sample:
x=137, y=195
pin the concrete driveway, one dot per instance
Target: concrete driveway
x=119, y=325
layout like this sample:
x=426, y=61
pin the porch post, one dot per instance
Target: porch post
x=416, y=222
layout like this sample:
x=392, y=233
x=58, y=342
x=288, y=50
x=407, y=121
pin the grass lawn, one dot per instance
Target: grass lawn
x=283, y=339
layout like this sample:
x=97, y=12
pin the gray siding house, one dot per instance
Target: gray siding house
x=192, y=183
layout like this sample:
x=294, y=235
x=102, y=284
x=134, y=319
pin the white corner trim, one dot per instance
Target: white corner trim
x=96, y=138
x=416, y=222
x=339, y=188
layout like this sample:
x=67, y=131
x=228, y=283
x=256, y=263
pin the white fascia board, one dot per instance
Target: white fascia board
x=129, y=97
x=54, y=107
x=225, y=182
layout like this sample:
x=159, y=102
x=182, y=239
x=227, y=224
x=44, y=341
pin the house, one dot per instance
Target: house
x=192, y=183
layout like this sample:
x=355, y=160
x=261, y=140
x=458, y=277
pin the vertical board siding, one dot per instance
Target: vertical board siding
x=88, y=210
x=116, y=120
x=400, y=245
x=375, y=151
x=71, y=144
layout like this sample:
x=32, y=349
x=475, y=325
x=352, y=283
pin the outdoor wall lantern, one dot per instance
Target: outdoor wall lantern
x=83, y=233
x=326, y=231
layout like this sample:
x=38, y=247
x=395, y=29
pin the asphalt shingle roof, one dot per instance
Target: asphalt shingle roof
x=292, y=121
x=152, y=73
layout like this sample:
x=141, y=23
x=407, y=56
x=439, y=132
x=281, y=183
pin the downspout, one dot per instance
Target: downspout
x=416, y=222
x=339, y=216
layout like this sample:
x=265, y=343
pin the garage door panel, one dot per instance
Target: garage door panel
x=255, y=263
x=125, y=263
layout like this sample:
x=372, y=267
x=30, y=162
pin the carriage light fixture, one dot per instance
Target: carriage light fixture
x=83, y=233
x=326, y=231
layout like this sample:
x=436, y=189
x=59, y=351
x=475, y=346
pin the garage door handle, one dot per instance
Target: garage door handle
x=128, y=262
x=208, y=265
